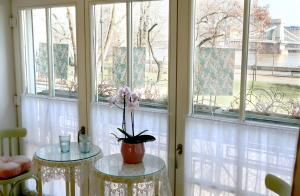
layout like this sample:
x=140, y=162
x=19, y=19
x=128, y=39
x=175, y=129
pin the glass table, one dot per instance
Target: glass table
x=73, y=166
x=117, y=178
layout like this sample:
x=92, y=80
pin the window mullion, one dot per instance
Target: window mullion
x=191, y=56
x=50, y=53
x=244, y=63
x=30, y=53
x=33, y=53
x=129, y=44
x=93, y=50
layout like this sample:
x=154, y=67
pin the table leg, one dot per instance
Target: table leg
x=67, y=187
x=5, y=189
x=84, y=180
x=156, y=186
x=39, y=181
x=67, y=181
x=72, y=181
x=102, y=186
x=129, y=189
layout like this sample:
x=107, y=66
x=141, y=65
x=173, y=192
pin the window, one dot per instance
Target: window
x=49, y=39
x=273, y=88
x=130, y=44
x=218, y=25
x=273, y=85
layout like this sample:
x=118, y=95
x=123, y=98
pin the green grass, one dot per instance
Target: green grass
x=290, y=92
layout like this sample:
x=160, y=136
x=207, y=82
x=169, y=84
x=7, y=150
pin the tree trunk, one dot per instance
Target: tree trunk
x=153, y=55
x=108, y=37
x=73, y=43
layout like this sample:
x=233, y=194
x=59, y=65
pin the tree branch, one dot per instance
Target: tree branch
x=73, y=41
x=152, y=53
x=108, y=36
x=214, y=36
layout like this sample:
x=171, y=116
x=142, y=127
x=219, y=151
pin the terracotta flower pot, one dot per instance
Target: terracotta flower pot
x=132, y=153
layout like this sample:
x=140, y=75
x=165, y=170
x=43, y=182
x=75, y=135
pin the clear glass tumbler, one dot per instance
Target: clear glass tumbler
x=64, y=141
x=84, y=143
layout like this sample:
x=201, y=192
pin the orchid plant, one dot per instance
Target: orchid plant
x=126, y=98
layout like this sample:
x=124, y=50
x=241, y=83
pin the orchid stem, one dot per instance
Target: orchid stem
x=132, y=123
x=123, y=123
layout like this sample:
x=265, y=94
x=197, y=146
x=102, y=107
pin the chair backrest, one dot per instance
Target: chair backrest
x=11, y=138
x=277, y=185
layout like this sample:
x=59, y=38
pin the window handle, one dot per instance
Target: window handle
x=179, y=151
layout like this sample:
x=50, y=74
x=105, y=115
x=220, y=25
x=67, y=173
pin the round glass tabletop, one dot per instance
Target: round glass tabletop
x=113, y=165
x=53, y=153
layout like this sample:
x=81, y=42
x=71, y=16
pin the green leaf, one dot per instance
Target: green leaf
x=145, y=138
x=115, y=135
x=122, y=131
x=121, y=139
x=142, y=132
x=139, y=139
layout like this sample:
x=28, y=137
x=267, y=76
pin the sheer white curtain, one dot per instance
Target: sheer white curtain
x=223, y=158
x=106, y=120
x=45, y=119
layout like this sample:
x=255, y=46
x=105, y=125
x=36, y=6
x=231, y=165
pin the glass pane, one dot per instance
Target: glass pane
x=273, y=67
x=64, y=51
x=35, y=51
x=110, y=48
x=217, y=56
x=150, y=37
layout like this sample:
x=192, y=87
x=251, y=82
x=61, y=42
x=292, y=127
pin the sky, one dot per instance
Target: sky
x=288, y=10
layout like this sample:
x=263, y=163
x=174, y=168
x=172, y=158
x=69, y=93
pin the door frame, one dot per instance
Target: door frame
x=172, y=80
x=85, y=79
x=184, y=87
x=17, y=6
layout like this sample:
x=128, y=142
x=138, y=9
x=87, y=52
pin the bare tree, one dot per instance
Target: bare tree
x=73, y=41
x=218, y=22
x=65, y=33
x=217, y=19
x=143, y=24
x=152, y=53
x=214, y=19
x=260, y=20
x=108, y=36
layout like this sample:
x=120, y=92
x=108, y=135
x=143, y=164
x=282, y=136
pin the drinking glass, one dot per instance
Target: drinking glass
x=84, y=143
x=64, y=141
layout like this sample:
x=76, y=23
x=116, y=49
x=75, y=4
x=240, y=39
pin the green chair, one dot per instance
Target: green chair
x=11, y=137
x=277, y=185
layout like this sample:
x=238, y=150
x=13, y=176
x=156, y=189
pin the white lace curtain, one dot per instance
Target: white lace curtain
x=221, y=158
x=224, y=158
x=46, y=119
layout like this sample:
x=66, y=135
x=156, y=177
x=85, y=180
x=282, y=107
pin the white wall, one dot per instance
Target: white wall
x=7, y=79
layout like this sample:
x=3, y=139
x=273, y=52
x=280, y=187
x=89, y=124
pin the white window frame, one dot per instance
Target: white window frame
x=20, y=73
x=180, y=71
x=129, y=26
x=241, y=115
x=184, y=105
x=172, y=69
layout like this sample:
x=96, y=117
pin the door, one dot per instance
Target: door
x=66, y=72
x=133, y=43
x=50, y=73
x=230, y=117
x=188, y=60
